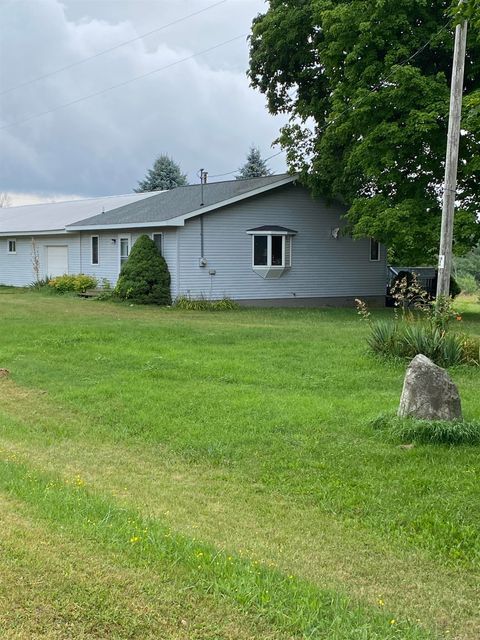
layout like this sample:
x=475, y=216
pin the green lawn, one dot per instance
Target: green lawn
x=169, y=474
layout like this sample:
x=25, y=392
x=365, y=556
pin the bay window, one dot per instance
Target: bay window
x=271, y=250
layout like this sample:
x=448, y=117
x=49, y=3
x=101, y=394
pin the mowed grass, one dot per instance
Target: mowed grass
x=243, y=435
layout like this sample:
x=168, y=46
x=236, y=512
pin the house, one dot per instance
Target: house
x=261, y=241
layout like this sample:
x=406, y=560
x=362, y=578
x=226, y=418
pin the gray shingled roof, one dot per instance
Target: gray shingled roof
x=178, y=202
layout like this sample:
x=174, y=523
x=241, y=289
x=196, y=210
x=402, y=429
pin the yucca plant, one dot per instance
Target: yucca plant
x=383, y=338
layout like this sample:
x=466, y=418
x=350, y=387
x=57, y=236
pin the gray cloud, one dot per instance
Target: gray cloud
x=202, y=111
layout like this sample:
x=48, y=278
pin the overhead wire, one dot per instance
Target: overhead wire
x=110, y=49
x=190, y=57
x=229, y=173
x=121, y=84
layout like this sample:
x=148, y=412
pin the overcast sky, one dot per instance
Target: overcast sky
x=201, y=111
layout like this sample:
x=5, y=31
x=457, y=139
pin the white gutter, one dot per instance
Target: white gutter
x=50, y=232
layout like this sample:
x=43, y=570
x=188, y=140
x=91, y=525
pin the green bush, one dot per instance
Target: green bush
x=67, y=283
x=467, y=283
x=83, y=282
x=455, y=288
x=427, y=431
x=63, y=284
x=144, y=278
x=203, y=304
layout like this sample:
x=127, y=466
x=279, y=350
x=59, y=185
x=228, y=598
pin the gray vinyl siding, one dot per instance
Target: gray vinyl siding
x=321, y=265
x=109, y=252
x=17, y=269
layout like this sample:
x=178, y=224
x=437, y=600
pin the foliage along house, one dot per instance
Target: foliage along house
x=263, y=241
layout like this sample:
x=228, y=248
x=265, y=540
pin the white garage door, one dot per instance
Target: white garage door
x=57, y=261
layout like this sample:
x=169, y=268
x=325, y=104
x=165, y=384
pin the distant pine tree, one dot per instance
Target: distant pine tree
x=165, y=174
x=254, y=167
x=144, y=277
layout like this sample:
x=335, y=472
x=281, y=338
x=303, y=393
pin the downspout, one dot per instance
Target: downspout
x=203, y=181
x=80, y=249
x=177, y=244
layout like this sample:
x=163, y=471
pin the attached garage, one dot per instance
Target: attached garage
x=57, y=260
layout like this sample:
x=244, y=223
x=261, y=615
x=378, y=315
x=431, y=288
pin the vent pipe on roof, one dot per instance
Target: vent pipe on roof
x=203, y=175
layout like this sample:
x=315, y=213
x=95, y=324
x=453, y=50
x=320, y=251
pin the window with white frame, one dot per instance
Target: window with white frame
x=95, y=250
x=11, y=245
x=158, y=240
x=271, y=250
x=124, y=250
x=374, y=250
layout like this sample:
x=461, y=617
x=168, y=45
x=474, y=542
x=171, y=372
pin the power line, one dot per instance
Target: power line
x=229, y=173
x=121, y=84
x=117, y=46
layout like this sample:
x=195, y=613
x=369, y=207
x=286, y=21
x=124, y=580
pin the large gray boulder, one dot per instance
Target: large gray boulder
x=429, y=393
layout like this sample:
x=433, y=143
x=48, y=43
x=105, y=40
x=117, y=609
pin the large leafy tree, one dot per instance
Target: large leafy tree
x=366, y=84
x=165, y=174
x=254, y=167
x=468, y=10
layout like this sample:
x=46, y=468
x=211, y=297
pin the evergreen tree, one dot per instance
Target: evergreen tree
x=144, y=277
x=254, y=167
x=165, y=174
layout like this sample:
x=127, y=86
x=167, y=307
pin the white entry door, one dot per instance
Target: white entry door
x=57, y=261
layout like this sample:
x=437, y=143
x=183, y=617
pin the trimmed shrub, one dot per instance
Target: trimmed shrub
x=202, y=304
x=427, y=431
x=144, y=278
x=67, y=283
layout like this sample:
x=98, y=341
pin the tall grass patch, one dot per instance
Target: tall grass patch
x=186, y=303
x=407, y=430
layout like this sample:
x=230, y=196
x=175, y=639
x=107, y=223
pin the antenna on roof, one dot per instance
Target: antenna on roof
x=203, y=175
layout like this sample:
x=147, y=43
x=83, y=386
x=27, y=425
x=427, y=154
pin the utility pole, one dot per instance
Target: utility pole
x=451, y=162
